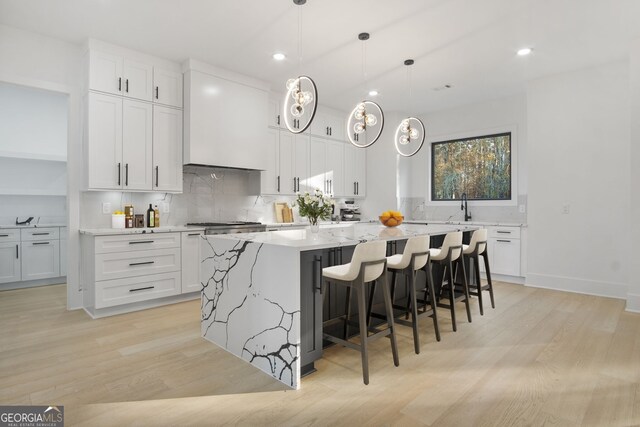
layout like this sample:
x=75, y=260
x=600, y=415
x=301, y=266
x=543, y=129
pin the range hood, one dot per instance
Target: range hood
x=225, y=119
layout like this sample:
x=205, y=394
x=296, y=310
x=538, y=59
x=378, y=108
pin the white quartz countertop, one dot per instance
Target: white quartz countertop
x=116, y=231
x=490, y=223
x=343, y=234
x=32, y=226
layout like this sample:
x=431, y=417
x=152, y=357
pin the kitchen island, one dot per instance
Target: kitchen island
x=261, y=296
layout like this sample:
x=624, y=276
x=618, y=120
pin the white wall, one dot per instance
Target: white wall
x=578, y=155
x=32, y=60
x=489, y=117
x=633, y=296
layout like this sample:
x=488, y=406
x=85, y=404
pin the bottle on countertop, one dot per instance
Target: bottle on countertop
x=128, y=216
x=156, y=216
x=150, y=217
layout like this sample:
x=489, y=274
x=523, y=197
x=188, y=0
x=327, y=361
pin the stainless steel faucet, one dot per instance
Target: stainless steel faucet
x=463, y=207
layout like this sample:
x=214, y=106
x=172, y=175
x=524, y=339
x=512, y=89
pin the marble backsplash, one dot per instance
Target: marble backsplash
x=415, y=208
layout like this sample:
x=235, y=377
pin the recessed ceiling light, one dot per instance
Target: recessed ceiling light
x=525, y=51
x=373, y=93
x=279, y=56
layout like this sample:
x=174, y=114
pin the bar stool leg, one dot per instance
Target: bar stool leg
x=414, y=310
x=364, y=333
x=372, y=292
x=465, y=287
x=452, y=295
x=489, y=281
x=476, y=268
x=348, y=313
x=389, y=308
x=432, y=298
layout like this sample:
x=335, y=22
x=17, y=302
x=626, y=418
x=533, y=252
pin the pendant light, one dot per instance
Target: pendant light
x=301, y=100
x=410, y=133
x=366, y=120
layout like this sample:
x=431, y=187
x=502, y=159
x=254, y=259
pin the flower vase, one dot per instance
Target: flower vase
x=314, y=227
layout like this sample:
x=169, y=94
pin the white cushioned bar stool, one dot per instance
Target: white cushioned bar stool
x=414, y=258
x=477, y=248
x=368, y=264
x=448, y=255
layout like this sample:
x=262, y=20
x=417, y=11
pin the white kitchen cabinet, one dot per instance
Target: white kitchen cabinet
x=104, y=142
x=63, y=251
x=118, y=75
x=224, y=122
x=354, y=171
x=317, y=165
x=286, y=163
x=10, y=269
x=40, y=259
x=504, y=250
x=167, y=149
x=191, y=261
x=111, y=293
x=335, y=167
x=275, y=114
x=137, y=143
x=327, y=125
x=270, y=177
x=301, y=163
x=167, y=87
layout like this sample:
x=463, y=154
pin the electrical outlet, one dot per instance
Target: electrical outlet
x=522, y=208
x=420, y=207
x=566, y=209
x=106, y=208
x=165, y=207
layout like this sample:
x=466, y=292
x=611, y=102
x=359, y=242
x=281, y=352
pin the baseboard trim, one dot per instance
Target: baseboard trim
x=577, y=285
x=504, y=278
x=33, y=283
x=97, y=313
x=633, y=303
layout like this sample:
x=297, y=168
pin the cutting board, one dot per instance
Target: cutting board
x=283, y=212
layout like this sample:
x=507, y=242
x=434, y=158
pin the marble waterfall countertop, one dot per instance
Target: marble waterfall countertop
x=342, y=234
x=251, y=289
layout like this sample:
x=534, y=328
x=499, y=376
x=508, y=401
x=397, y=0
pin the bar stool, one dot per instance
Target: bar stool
x=414, y=258
x=368, y=264
x=449, y=254
x=476, y=248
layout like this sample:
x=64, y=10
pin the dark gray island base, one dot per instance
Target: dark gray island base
x=261, y=296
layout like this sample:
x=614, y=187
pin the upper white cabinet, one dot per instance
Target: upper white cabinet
x=132, y=142
x=326, y=171
x=270, y=177
x=224, y=121
x=167, y=149
x=120, y=76
x=275, y=114
x=167, y=87
x=354, y=171
x=328, y=124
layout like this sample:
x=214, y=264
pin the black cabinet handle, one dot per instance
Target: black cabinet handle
x=126, y=174
x=119, y=173
x=141, y=289
x=4, y=235
x=119, y=84
x=137, y=242
x=294, y=184
x=503, y=241
x=331, y=186
x=157, y=175
x=278, y=183
x=157, y=92
x=17, y=253
x=503, y=232
x=126, y=86
x=40, y=234
x=357, y=188
x=330, y=131
x=317, y=273
x=132, y=264
x=278, y=120
x=40, y=243
x=193, y=234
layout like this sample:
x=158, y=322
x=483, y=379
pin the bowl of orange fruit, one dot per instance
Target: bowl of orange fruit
x=391, y=218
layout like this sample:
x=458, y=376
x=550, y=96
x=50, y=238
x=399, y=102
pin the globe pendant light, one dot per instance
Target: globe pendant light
x=410, y=133
x=301, y=100
x=366, y=120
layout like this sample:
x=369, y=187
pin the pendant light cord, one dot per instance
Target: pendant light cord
x=299, y=40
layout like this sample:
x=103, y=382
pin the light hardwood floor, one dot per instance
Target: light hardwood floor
x=540, y=358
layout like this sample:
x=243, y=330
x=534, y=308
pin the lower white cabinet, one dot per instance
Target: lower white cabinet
x=40, y=259
x=191, y=261
x=63, y=251
x=110, y=293
x=504, y=250
x=10, y=270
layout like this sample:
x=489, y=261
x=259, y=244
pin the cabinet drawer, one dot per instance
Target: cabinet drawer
x=49, y=233
x=110, y=293
x=504, y=232
x=136, y=263
x=138, y=242
x=9, y=235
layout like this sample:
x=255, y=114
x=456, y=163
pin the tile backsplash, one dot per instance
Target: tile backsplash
x=415, y=208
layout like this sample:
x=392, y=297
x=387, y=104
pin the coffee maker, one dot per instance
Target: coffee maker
x=349, y=211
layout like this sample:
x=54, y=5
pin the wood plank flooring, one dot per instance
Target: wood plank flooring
x=540, y=358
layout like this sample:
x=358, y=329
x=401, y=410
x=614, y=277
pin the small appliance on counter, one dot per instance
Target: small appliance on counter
x=349, y=211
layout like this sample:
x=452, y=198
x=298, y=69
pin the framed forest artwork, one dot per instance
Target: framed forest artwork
x=479, y=166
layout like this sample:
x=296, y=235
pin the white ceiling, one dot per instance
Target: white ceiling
x=469, y=44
